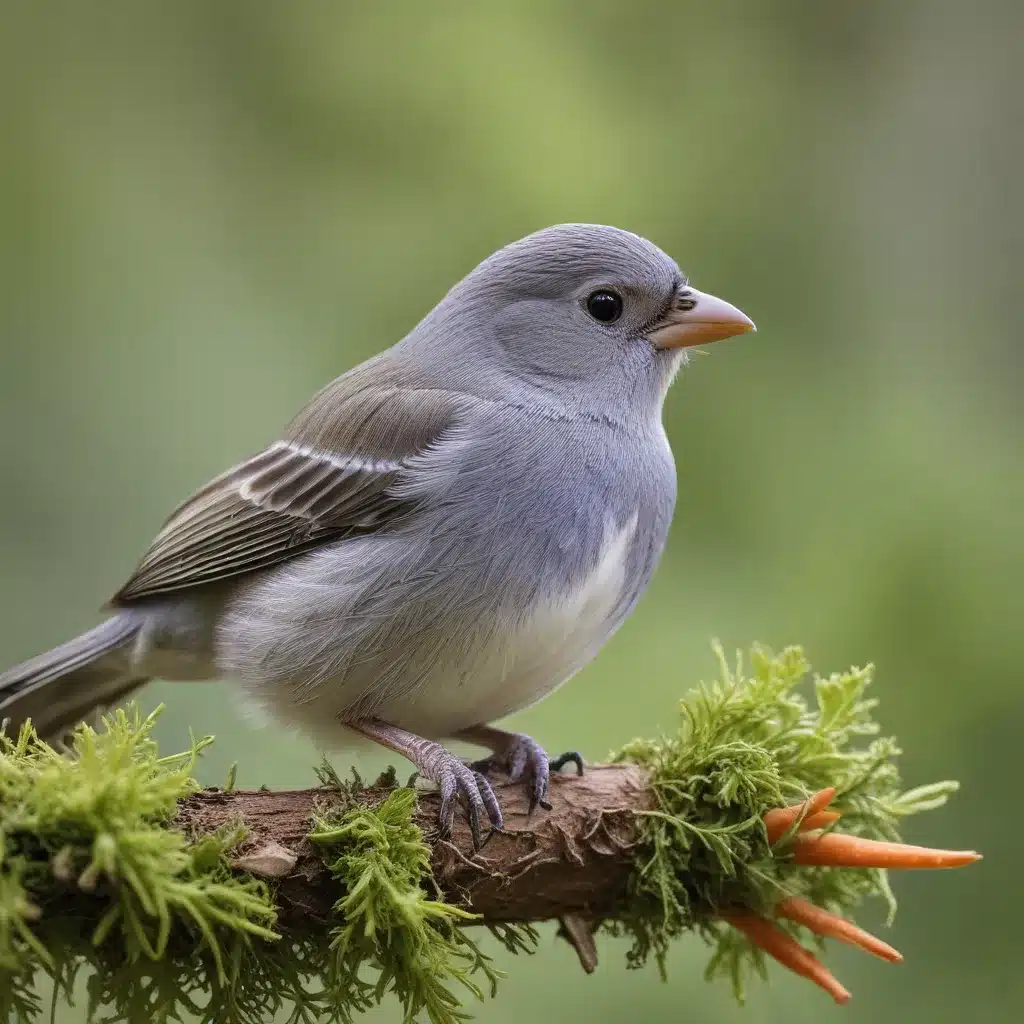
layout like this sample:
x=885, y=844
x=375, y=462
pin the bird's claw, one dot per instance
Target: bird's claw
x=457, y=779
x=569, y=757
x=525, y=757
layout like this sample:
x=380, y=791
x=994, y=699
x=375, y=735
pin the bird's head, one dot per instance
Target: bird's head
x=591, y=315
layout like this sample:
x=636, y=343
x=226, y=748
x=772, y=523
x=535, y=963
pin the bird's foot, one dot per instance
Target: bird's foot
x=522, y=757
x=455, y=779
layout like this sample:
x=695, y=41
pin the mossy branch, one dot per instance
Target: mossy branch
x=574, y=859
x=234, y=905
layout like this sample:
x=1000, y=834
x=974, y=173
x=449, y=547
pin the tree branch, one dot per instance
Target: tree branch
x=570, y=862
x=111, y=858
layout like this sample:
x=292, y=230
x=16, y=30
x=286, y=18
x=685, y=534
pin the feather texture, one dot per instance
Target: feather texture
x=331, y=477
x=442, y=536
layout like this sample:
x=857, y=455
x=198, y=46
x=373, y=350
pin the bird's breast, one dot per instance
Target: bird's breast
x=526, y=555
x=522, y=656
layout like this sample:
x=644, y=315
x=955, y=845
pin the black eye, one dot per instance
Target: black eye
x=605, y=307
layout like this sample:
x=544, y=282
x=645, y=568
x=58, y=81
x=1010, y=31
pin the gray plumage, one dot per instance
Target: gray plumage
x=442, y=536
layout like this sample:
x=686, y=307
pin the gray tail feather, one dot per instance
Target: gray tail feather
x=71, y=683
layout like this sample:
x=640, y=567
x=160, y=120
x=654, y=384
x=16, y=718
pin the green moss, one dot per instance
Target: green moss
x=414, y=944
x=92, y=877
x=94, y=882
x=746, y=743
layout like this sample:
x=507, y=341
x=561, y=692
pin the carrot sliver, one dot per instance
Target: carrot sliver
x=821, y=922
x=838, y=850
x=820, y=820
x=779, y=820
x=784, y=948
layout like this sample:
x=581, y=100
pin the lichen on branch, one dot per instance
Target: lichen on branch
x=237, y=906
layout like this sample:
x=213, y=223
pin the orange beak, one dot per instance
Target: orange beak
x=708, y=319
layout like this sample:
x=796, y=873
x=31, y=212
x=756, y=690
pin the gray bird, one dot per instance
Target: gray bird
x=444, y=535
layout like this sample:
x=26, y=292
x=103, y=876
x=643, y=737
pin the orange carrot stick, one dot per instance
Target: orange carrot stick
x=820, y=820
x=776, y=943
x=839, y=850
x=779, y=820
x=821, y=922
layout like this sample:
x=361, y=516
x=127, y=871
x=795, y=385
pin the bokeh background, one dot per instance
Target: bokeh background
x=210, y=209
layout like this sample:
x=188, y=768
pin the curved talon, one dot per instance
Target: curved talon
x=541, y=781
x=446, y=816
x=457, y=779
x=490, y=803
x=569, y=757
x=453, y=776
x=521, y=757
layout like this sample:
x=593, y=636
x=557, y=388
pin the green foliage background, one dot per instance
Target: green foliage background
x=209, y=210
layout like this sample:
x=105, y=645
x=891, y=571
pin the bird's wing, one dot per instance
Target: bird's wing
x=331, y=477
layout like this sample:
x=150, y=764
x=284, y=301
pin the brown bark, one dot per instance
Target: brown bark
x=570, y=863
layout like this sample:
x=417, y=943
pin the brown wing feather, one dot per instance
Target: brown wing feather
x=329, y=478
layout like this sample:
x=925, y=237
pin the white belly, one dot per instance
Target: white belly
x=519, y=662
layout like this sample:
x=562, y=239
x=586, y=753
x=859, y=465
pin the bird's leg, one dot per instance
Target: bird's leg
x=453, y=776
x=519, y=755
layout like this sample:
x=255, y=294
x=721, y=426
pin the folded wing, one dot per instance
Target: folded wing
x=331, y=477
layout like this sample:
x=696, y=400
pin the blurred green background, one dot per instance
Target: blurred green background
x=210, y=209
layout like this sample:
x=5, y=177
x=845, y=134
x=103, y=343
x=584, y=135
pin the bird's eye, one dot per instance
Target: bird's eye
x=604, y=306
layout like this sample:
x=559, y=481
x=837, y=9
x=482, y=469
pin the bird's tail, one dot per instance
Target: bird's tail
x=71, y=683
